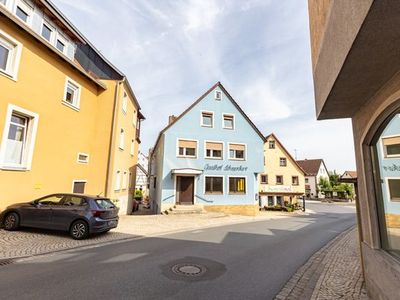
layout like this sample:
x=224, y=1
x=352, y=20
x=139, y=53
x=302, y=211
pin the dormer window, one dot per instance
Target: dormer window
x=218, y=95
x=47, y=31
x=23, y=11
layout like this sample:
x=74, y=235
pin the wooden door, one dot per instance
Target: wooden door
x=185, y=190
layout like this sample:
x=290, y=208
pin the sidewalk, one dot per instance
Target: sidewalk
x=334, y=272
x=29, y=242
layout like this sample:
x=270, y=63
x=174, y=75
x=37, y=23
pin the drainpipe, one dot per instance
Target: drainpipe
x=112, y=139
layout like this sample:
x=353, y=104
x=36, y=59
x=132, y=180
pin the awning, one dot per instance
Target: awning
x=186, y=171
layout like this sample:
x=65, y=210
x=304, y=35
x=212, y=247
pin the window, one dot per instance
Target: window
x=73, y=201
x=83, y=158
x=125, y=103
x=228, y=122
x=187, y=148
x=237, y=185
x=391, y=146
x=237, y=151
x=283, y=162
x=132, y=147
x=279, y=200
x=218, y=95
x=306, y=180
x=207, y=119
x=47, y=31
x=271, y=144
x=121, y=139
x=78, y=186
x=264, y=179
x=72, y=94
x=51, y=200
x=125, y=180
x=214, y=150
x=270, y=200
x=117, y=186
x=295, y=180
x=214, y=185
x=10, y=53
x=394, y=189
x=104, y=203
x=24, y=11
x=61, y=43
x=18, y=139
x=279, y=179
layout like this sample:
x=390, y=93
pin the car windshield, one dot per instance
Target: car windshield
x=104, y=203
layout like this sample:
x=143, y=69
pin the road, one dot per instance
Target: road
x=241, y=261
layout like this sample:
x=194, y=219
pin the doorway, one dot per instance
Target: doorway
x=185, y=190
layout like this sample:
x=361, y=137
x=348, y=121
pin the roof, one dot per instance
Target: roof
x=218, y=84
x=352, y=174
x=287, y=152
x=311, y=166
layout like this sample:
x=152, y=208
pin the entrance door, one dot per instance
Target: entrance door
x=185, y=190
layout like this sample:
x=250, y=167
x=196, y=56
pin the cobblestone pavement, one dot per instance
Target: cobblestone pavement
x=334, y=272
x=29, y=242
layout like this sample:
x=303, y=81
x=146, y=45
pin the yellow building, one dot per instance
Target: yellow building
x=69, y=120
x=283, y=180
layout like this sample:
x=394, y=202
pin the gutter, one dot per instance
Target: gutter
x=112, y=139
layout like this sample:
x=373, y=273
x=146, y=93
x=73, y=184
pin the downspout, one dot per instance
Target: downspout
x=112, y=139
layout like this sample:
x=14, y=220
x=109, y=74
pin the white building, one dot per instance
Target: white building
x=315, y=169
x=142, y=174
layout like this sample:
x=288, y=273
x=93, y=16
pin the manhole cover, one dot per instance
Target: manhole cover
x=190, y=270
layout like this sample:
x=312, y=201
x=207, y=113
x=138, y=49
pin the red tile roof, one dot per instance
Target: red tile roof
x=310, y=166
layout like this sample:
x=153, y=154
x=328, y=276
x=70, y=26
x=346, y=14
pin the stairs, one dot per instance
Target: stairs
x=184, y=210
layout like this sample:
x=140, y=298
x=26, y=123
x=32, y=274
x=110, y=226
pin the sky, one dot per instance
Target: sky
x=172, y=51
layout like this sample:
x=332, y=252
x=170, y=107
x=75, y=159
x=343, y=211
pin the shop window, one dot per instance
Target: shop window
x=214, y=150
x=279, y=179
x=207, y=119
x=270, y=200
x=237, y=185
x=279, y=200
x=214, y=185
x=237, y=151
x=229, y=122
x=295, y=180
x=283, y=162
x=388, y=183
x=271, y=144
x=187, y=148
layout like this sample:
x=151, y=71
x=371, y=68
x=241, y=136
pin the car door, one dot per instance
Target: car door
x=39, y=213
x=69, y=209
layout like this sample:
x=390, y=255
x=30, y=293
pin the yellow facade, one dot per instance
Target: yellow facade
x=62, y=131
x=270, y=188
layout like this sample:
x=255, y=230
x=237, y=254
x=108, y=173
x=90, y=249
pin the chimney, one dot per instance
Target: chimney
x=171, y=119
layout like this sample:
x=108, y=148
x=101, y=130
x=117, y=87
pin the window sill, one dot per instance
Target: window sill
x=70, y=105
x=228, y=128
x=11, y=76
x=11, y=168
x=207, y=126
x=237, y=194
x=237, y=159
x=181, y=156
x=214, y=194
x=214, y=158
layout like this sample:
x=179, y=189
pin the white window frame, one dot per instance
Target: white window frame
x=4, y=4
x=121, y=139
x=27, y=7
x=60, y=37
x=283, y=159
x=80, y=161
x=132, y=147
x=237, y=194
x=15, y=50
x=201, y=118
x=388, y=189
x=211, y=157
x=238, y=159
x=214, y=194
x=117, y=182
x=218, y=95
x=187, y=156
x=124, y=180
x=52, y=34
x=30, y=138
x=77, y=94
x=384, y=155
x=77, y=181
x=233, y=121
x=124, y=105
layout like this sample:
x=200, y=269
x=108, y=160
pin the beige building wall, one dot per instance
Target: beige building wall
x=272, y=169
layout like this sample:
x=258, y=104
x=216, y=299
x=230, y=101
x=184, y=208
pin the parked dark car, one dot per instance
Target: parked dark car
x=78, y=214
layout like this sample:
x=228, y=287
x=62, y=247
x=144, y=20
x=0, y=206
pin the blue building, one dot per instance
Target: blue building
x=209, y=156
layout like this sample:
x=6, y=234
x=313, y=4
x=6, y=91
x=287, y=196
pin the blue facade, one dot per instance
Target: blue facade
x=167, y=164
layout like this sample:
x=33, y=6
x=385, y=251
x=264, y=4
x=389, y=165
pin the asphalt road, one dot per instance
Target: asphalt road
x=242, y=261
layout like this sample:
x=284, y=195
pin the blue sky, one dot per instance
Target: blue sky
x=173, y=51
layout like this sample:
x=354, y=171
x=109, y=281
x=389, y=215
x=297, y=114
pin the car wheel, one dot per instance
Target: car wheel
x=79, y=230
x=11, y=221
